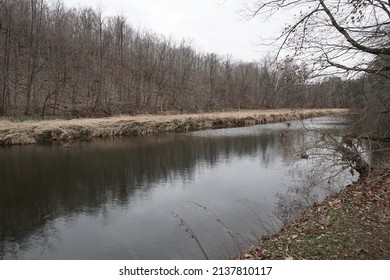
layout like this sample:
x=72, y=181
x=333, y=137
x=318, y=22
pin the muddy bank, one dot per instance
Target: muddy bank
x=51, y=131
x=353, y=224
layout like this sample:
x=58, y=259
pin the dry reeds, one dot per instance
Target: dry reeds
x=49, y=131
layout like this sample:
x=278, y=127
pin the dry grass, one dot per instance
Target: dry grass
x=31, y=132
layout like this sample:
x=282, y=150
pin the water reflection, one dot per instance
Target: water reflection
x=114, y=199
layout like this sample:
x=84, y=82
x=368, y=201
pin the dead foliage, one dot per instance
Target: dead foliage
x=50, y=131
x=353, y=224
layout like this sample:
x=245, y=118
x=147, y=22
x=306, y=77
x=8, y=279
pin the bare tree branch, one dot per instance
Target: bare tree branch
x=377, y=51
x=364, y=27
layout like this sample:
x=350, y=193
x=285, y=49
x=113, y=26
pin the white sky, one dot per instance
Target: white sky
x=212, y=25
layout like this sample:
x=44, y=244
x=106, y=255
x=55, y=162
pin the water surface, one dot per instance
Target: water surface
x=140, y=198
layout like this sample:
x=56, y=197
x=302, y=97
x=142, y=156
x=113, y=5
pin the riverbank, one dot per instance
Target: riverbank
x=51, y=131
x=353, y=224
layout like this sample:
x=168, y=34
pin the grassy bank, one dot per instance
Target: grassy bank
x=353, y=224
x=49, y=131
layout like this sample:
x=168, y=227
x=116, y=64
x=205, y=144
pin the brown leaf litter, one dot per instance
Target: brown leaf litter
x=353, y=224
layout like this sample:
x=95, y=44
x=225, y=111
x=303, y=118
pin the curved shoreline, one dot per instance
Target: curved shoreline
x=350, y=225
x=53, y=131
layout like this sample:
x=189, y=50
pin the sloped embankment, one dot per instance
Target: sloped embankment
x=49, y=131
x=353, y=224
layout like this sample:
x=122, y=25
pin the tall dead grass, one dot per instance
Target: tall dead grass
x=46, y=131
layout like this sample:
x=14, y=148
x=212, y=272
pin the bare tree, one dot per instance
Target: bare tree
x=338, y=37
x=347, y=35
x=33, y=65
x=61, y=61
x=5, y=62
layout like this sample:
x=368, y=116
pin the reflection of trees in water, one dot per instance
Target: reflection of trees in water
x=331, y=158
x=308, y=187
x=42, y=183
x=375, y=129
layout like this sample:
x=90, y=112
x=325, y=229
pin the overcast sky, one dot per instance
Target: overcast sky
x=213, y=25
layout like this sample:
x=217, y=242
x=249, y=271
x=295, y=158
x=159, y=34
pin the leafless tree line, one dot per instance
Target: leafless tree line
x=349, y=37
x=60, y=61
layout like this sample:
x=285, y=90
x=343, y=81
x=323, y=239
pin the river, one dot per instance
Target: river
x=152, y=197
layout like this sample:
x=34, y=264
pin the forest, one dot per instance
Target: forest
x=58, y=61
